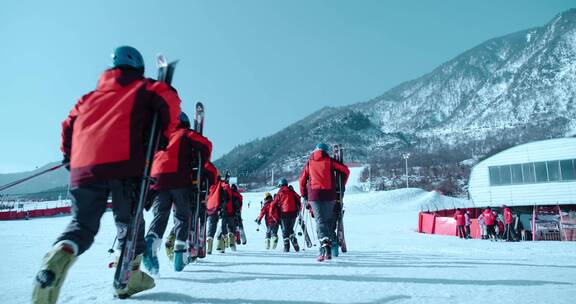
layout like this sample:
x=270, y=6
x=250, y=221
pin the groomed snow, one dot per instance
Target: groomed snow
x=388, y=262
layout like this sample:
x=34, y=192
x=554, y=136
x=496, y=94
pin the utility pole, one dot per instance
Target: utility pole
x=406, y=156
x=272, y=180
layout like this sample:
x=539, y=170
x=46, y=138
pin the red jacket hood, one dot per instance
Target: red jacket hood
x=318, y=155
x=115, y=79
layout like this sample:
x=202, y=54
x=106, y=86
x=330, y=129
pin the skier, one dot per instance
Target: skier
x=237, y=200
x=228, y=219
x=468, y=223
x=483, y=232
x=289, y=206
x=489, y=221
x=172, y=169
x=317, y=185
x=460, y=222
x=217, y=199
x=271, y=219
x=508, y=220
x=103, y=140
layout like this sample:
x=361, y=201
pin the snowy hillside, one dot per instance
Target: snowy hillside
x=388, y=263
x=506, y=91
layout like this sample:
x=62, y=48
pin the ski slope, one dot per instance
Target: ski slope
x=388, y=262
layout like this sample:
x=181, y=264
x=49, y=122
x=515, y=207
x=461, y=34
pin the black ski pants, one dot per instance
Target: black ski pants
x=271, y=231
x=89, y=204
x=288, y=223
x=181, y=199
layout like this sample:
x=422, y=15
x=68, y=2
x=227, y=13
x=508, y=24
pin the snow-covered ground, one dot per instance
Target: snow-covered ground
x=388, y=262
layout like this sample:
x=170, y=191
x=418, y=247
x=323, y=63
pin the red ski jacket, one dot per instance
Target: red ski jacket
x=286, y=202
x=508, y=218
x=172, y=168
x=218, y=198
x=237, y=201
x=106, y=131
x=459, y=217
x=269, y=214
x=210, y=173
x=489, y=218
x=317, y=180
x=229, y=207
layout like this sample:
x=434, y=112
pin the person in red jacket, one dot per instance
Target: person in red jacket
x=104, y=143
x=317, y=185
x=508, y=221
x=460, y=222
x=288, y=206
x=218, y=204
x=490, y=221
x=271, y=219
x=238, y=202
x=172, y=171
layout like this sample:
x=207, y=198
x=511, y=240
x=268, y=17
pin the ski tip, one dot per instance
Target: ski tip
x=161, y=60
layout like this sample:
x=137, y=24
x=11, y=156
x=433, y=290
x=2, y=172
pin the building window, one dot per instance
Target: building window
x=567, y=169
x=553, y=171
x=528, y=173
x=505, y=175
x=517, y=174
x=541, y=172
x=494, y=176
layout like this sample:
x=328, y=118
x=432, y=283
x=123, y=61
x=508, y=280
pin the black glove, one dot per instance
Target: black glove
x=66, y=162
x=257, y=221
x=162, y=143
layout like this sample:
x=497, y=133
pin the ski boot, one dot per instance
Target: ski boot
x=221, y=244
x=209, y=244
x=335, y=248
x=237, y=236
x=201, y=252
x=138, y=282
x=274, y=242
x=179, y=256
x=53, y=272
x=232, y=241
x=243, y=236
x=170, y=245
x=286, y=245
x=294, y=242
x=150, y=259
x=325, y=250
x=267, y=243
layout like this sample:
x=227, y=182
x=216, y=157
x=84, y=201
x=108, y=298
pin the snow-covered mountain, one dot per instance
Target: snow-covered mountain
x=49, y=181
x=505, y=91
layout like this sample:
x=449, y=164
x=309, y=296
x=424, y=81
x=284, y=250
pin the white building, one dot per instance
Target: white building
x=537, y=173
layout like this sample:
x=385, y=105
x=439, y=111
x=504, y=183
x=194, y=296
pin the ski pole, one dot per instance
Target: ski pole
x=16, y=182
x=111, y=250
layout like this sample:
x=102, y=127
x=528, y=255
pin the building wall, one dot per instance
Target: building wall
x=550, y=193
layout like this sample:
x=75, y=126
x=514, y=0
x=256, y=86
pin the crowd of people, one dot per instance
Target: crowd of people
x=104, y=144
x=493, y=225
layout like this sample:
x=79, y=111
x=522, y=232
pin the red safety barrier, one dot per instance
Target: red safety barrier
x=427, y=223
x=445, y=226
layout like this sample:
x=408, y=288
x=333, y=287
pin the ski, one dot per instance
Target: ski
x=197, y=235
x=123, y=266
x=338, y=155
x=302, y=224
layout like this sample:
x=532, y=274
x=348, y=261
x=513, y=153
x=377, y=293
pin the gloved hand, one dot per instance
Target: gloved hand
x=66, y=162
x=257, y=221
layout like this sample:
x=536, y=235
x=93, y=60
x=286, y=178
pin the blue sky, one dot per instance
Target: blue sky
x=258, y=66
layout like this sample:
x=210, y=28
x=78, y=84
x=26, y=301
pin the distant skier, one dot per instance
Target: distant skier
x=490, y=221
x=317, y=185
x=508, y=222
x=103, y=139
x=460, y=222
x=467, y=223
x=288, y=204
x=220, y=195
x=482, y=225
x=238, y=201
x=172, y=170
x=271, y=218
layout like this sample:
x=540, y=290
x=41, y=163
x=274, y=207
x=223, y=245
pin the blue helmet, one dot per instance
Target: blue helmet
x=127, y=56
x=184, y=120
x=322, y=146
x=282, y=182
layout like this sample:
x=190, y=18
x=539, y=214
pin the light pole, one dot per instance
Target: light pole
x=406, y=156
